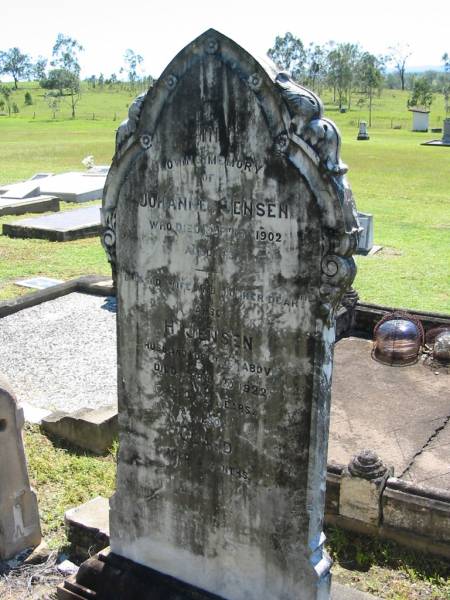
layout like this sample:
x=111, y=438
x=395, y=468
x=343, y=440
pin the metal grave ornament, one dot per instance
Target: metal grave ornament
x=230, y=227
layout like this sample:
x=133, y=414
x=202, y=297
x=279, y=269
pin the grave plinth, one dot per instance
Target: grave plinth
x=230, y=227
x=445, y=140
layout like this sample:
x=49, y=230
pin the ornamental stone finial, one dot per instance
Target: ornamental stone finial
x=368, y=465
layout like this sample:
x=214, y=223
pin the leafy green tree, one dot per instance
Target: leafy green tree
x=65, y=58
x=289, y=54
x=316, y=66
x=61, y=80
x=13, y=62
x=370, y=77
x=133, y=61
x=5, y=92
x=422, y=94
x=28, y=99
x=39, y=69
x=342, y=63
x=53, y=101
x=112, y=80
x=446, y=85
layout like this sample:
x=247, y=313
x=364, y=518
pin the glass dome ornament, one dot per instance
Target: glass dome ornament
x=398, y=338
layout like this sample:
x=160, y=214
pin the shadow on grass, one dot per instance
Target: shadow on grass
x=70, y=448
x=358, y=552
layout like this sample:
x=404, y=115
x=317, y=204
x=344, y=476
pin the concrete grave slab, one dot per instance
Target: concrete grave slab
x=431, y=466
x=22, y=190
x=74, y=186
x=87, y=526
x=383, y=408
x=93, y=429
x=63, y=227
x=38, y=283
x=40, y=176
x=38, y=204
x=98, y=171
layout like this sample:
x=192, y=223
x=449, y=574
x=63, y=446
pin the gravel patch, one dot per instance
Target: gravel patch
x=61, y=354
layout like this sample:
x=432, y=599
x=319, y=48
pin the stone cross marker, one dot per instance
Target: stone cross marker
x=230, y=227
x=19, y=516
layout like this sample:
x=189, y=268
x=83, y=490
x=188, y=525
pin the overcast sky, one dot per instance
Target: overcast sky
x=158, y=30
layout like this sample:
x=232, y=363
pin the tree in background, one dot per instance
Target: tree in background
x=316, y=66
x=61, y=80
x=13, y=62
x=53, y=101
x=422, y=94
x=398, y=56
x=342, y=63
x=370, y=77
x=39, y=68
x=446, y=86
x=5, y=93
x=132, y=61
x=65, y=58
x=289, y=54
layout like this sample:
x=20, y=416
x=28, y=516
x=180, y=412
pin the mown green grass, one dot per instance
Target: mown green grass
x=385, y=569
x=64, y=477
x=405, y=186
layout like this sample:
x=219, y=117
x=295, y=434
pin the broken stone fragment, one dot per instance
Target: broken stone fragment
x=88, y=428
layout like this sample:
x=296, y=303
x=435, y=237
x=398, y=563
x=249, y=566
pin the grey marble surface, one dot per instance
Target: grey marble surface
x=61, y=355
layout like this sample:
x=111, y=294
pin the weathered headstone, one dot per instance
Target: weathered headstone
x=446, y=132
x=363, y=134
x=230, y=228
x=19, y=516
x=365, y=241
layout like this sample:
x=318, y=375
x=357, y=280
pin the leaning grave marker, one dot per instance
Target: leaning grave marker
x=230, y=227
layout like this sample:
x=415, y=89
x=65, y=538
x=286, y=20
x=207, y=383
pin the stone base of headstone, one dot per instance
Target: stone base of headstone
x=107, y=575
x=363, y=136
x=445, y=140
x=436, y=143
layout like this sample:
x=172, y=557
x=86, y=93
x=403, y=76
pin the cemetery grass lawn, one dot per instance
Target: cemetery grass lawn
x=64, y=477
x=405, y=186
x=386, y=569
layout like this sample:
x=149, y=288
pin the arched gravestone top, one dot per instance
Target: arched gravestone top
x=230, y=227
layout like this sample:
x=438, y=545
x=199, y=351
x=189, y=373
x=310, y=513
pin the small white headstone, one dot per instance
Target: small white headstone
x=19, y=517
